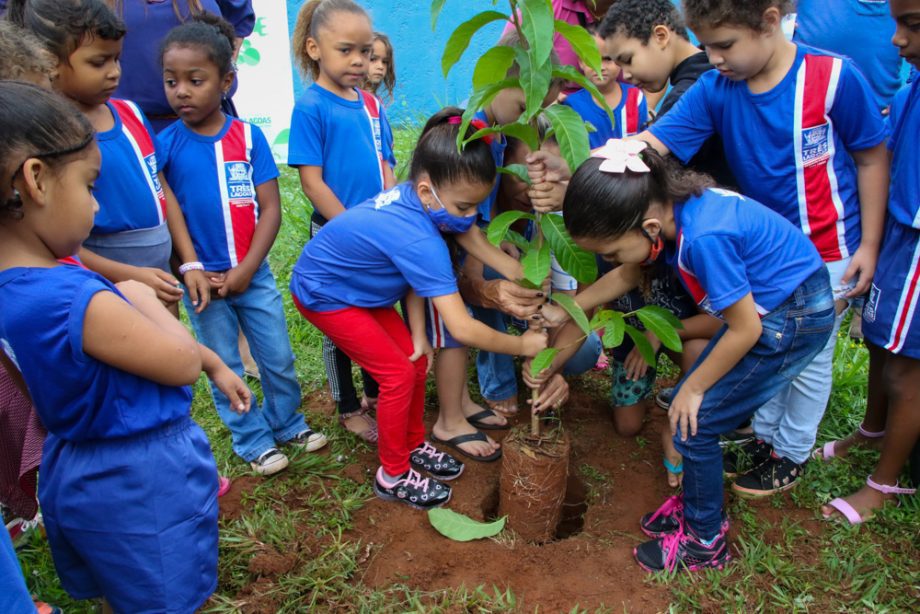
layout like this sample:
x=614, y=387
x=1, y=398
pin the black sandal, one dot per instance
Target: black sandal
x=454, y=442
x=477, y=421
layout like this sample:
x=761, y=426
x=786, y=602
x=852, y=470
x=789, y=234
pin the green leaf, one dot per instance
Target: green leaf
x=516, y=170
x=660, y=327
x=436, y=7
x=524, y=283
x=523, y=132
x=672, y=319
x=642, y=344
x=534, y=82
x=478, y=100
x=579, y=263
x=571, y=134
x=500, y=225
x=582, y=42
x=460, y=38
x=493, y=66
x=542, y=361
x=462, y=528
x=571, y=74
x=536, y=263
x=518, y=240
x=614, y=330
x=537, y=25
x=572, y=308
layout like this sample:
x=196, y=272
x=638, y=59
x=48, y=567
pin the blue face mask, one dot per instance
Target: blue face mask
x=451, y=224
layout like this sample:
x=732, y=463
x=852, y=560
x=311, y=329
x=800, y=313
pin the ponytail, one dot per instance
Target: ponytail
x=437, y=155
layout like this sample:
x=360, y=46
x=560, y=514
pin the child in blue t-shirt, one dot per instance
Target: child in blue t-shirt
x=803, y=135
x=630, y=110
x=740, y=262
x=226, y=183
x=890, y=318
x=128, y=484
x=341, y=144
x=139, y=223
x=350, y=275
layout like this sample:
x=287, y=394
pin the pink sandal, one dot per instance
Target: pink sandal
x=223, y=486
x=829, y=451
x=850, y=513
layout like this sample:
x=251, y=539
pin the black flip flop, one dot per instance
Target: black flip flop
x=476, y=420
x=454, y=442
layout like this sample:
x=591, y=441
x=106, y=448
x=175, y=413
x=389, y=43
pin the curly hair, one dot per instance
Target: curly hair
x=313, y=16
x=637, y=19
x=607, y=205
x=745, y=13
x=213, y=34
x=22, y=54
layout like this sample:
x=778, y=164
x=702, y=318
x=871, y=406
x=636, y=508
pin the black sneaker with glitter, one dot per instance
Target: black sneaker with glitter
x=683, y=550
x=775, y=475
x=669, y=518
x=413, y=490
x=741, y=458
x=439, y=464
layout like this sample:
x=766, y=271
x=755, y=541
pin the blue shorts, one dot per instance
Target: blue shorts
x=891, y=319
x=134, y=519
x=147, y=247
x=438, y=335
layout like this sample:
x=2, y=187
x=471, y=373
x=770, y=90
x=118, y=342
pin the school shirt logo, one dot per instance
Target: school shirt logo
x=387, y=198
x=239, y=183
x=815, y=148
x=134, y=129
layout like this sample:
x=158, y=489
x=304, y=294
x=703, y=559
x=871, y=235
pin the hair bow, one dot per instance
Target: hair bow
x=620, y=155
x=477, y=124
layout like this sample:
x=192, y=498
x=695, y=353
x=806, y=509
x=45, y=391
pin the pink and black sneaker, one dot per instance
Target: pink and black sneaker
x=412, y=489
x=669, y=518
x=439, y=464
x=683, y=550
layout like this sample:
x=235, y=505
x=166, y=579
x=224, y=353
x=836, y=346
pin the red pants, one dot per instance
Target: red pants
x=378, y=341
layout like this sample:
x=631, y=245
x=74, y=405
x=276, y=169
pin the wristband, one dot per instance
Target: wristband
x=190, y=266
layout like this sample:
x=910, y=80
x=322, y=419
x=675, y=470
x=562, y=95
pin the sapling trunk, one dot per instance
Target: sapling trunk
x=535, y=393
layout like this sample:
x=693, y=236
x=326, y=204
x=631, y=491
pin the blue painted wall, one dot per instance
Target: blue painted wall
x=421, y=89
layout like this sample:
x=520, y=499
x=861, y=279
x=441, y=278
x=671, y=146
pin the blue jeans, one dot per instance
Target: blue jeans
x=789, y=421
x=792, y=336
x=259, y=313
x=496, y=372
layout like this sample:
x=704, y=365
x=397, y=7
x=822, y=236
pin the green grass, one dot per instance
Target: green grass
x=782, y=566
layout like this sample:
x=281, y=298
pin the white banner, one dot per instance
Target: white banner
x=266, y=93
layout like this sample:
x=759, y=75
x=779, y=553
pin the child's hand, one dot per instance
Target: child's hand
x=554, y=316
x=547, y=196
x=635, y=365
x=534, y=382
x=236, y=281
x=165, y=285
x=545, y=166
x=421, y=347
x=511, y=250
x=862, y=267
x=552, y=395
x=533, y=342
x=199, y=289
x=682, y=414
x=233, y=388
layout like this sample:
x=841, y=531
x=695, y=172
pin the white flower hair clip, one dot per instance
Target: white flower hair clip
x=619, y=155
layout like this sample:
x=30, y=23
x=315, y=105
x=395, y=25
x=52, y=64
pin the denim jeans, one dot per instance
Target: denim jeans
x=259, y=313
x=790, y=420
x=496, y=372
x=792, y=336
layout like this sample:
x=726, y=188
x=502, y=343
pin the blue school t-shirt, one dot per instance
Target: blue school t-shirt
x=728, y=246
x=215, y=180
x=904, y=194
x=631, y=114
x=352, y=263
x=76, y=396
x=788, y=147
x=128, y=189
x=344, y=139
x=858, y=29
